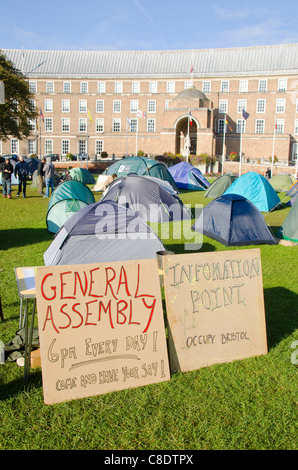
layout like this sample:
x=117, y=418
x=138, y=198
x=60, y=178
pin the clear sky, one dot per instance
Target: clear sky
x=146, y=25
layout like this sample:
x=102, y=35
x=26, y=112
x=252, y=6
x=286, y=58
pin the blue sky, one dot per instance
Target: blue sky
x=145, y=25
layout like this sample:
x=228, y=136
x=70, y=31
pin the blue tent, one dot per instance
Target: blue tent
x=186, y=176
x=233, y=221
x=256, y=189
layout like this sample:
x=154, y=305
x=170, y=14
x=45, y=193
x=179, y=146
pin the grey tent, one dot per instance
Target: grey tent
x=103, y=232
x=220, y=185
x=148, y=198
x=289, y=229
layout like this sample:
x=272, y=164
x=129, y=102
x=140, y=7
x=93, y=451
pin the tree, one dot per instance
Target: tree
x=17, y=112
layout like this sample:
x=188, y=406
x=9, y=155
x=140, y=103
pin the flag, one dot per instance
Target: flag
x=41, y=115
x=190, y=118
x=141, y=114
x=245, y=114
x=226, y=121
x=129, y=122
x=191, y=69
x=89, y=116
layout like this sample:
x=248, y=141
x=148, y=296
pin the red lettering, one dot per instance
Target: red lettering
x=121, y=311
x=82, y=319
x=52, y=287
x=69, y=319
x=89, y=313
x=101, y=305
x=122, y=270
x=64, y=284
x=77, y=276
x=108, y=282
x=92, y=282
x=151, y=313
x=49, y=317
x=137, y=295
x=130, y=316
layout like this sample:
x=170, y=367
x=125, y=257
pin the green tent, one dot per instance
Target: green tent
x=141, y=166
x=82, y=175
x=67, y=199
x=289, y=229
x=220, y=185
x=281, y=182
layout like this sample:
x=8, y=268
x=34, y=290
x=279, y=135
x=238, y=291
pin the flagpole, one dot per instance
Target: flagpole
x=126, y=136
x=40, y=134
x=87, y=144
x=272, y=156
x=240, y=153
x=223, y=146
x=137, y=137
x=187, y=153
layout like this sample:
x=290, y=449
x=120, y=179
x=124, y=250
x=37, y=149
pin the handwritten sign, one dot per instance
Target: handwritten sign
x=101, y=328
x=215, y=308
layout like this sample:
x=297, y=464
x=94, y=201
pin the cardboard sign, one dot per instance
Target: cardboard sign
x=101, y=328
x=215, y=308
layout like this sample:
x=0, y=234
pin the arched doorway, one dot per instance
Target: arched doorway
x=182, y=136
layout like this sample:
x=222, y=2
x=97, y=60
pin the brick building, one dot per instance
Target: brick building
x=87, y=98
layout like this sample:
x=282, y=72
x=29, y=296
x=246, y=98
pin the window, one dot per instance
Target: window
x=243, y=86
x=48, y=106
x=167, y=104
x=98, y=147
x=170, y=87
x=116, y=125
x=82, y=125
x=206, y=87
x=151, y=125
x=118, y=87
x=99, y=106
x=117, y=106
x=223, y=106
x=241, y=106
x=187, y=85
x=31, y=146
x=82, y=147
x=134, y=106
x=82, y=106
x=260, y=126
x=99, y=125
x=48, y=145
x=65, y=147
x=133, y=125
x=32, y=105
x=14, y=146
x=279, y=126
x=66, y=87
x=220, y=126
x=295, y=152
x=65, y=124
x=135, y=87
x=32, y=86
x=261, y=106
x=240, y=125
x=65, y=106
x=84, y=87
x=151, y=106
x=32, y=124
x=282, y=84
x=263, y=84
x=224, y=86
x=152, y=87
x=296, y=127
x=297, y=105
x=48, y=124
x=280, y=105
x=101, y=87
x=50, y=87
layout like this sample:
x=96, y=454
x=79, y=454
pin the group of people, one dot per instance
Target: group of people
x=45, y=172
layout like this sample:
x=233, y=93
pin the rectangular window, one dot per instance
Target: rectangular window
x=261, y=106
x=31, y=146
x=280, y=105
x=279, y=126
x=151, y=106
x=117, y=106
x=167, y=104
x=116, y=125
x=206, y=86
x=32, y=86
x=187, y=85
x=152, y=87
x=84, y=87
x=65, y=124
x=14, y=146
x=48, y=124
x=241, y=106
x=98, y=147
x=48, y=106
x=32, y=105
x=32, y=124
x=134, y=125
x=296, y=127
x=260, y=126
x=224, y=86
x=134, y=106
x=65, y=147
x=243, y=86
x=99, y=126
x=118, y=87
x=170, y=87
x=282, y=84
x=82, y=147
x=295, y=152
x=50, y=87
x=82, y=106
x=151, y=125
x=101, y=87
x=99, y=106
x=82, y=125
x=223, y=106
x=66, y=87
x=135, y=87
x=65, y=106
x=48, y=146
x=263, y=84
x=240, y=124
x=220, y=127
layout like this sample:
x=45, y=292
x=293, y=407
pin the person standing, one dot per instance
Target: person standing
x=49, y=171
x=40, y=175
x=22, y=171
x=7, y=170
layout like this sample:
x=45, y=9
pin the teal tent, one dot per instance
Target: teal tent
x=256, y=189
x=141, y=166
x=82, y=175
x=67, y=199
x=289, y=229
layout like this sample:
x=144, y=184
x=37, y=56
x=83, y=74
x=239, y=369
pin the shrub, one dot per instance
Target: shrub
x=234, y=157
x=104, y=154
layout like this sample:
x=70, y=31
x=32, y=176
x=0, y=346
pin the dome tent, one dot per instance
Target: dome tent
x=289, y=229
x=281, y=182
x=68, y=198
x=186, y=176
x=82, y=175
x=256, y=189
x=220, y=185
x=103, y=232
x=233, y=221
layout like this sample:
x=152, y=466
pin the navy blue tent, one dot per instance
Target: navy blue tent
x=186, y=176
x=233, y=221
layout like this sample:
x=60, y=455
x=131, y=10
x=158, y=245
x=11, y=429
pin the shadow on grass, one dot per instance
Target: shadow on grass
x=17, y=386
x=18, y=237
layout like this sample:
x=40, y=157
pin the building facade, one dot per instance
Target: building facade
x=188, y=101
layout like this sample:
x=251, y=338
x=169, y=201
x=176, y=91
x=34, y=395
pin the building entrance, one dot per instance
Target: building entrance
x=183, y=140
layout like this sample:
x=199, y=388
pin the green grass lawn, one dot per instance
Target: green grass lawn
x=247, y=404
